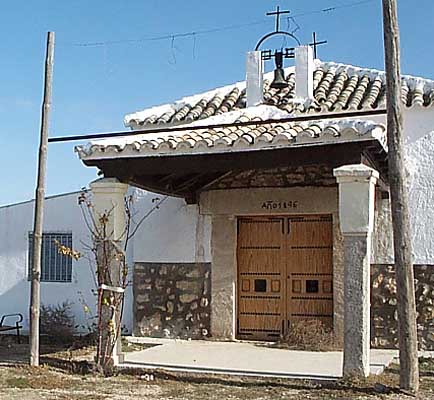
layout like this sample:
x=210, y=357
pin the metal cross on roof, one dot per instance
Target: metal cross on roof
x=315, y=44
x=277, y=13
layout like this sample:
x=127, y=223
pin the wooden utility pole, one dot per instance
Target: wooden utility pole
x=35, y=295
x=409, y=370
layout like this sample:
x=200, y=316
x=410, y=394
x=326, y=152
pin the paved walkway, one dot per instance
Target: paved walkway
x=244, y=358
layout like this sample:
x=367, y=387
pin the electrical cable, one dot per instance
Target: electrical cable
x=212, y=30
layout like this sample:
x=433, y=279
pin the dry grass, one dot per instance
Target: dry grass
x=308, y=335
x=61, y=378
x=128, y=347
x=51, y=383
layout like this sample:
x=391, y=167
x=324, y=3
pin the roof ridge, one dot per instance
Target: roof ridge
x=362, y=87
x=373, y=72
x=192, y=99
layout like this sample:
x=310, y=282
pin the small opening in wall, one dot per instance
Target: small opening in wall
x=260, y=285
x=312, y=286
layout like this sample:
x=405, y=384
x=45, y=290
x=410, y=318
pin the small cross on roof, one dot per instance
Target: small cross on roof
x=315, y=45
x=278, y=13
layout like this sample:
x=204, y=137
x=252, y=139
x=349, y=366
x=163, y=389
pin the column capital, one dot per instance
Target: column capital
x=108, y=185
x=356, y=173
x=108, y=196
x=356, y=198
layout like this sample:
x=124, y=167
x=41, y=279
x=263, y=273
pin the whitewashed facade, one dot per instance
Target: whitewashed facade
x=197, y=236
x=169, y=234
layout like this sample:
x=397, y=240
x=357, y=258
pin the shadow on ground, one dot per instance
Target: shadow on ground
x=14, y=353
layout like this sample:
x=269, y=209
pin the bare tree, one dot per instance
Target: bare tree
x=109, y=257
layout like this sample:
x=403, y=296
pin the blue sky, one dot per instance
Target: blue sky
x=95, y=86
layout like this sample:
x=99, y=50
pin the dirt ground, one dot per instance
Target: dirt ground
x=66, y=374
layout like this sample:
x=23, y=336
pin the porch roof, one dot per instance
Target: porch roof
x=235, y=138
x=188, y=162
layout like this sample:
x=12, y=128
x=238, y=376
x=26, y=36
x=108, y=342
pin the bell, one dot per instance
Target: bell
x=279, y=81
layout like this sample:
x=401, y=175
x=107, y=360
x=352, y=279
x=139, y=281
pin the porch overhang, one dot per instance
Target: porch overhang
x=189, y=174
x=183, y=164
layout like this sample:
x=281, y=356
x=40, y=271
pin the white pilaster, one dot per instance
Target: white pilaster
x=304, y=69
x=254, y=78
x=108, y=198
x=356, y=211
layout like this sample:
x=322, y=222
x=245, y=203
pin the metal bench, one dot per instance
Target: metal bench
x=17, y=326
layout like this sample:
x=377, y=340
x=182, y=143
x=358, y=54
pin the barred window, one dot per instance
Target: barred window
x=55, y=267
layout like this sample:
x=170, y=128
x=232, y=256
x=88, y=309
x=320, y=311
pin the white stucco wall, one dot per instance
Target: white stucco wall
x=176, y=232
x=418, y=122
x=419, y=146
x=420, y=156
x=61, y=214
x=420, y=166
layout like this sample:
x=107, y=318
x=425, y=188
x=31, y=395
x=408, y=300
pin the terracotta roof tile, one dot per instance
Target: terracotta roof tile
x=337, y=88
x=235, y=138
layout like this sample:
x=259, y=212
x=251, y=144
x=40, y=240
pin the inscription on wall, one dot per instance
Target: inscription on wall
x=271, y=205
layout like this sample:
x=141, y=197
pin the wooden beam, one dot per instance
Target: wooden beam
x=168, y=178
x=141, y=184
x=213, y=181
x=335, y=155
x=186, y=184
x=186, y=176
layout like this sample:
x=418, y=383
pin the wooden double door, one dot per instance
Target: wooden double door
x=285, y=273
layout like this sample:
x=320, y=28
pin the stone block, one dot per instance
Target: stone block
x=167, y=305
x=189, y=286
x=187, y=298
x=142, y=298
x=384, y=315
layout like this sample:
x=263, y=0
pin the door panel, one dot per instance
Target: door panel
x=310, y=231
x=309, y=265
x=261, y=307
x=310, y=260
x=285, y=269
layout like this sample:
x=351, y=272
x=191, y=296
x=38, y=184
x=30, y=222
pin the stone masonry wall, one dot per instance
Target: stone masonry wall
x=384, y=329
x=311, y=175
x=172, y=300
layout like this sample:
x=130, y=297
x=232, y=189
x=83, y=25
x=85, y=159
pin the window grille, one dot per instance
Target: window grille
x=55, y=267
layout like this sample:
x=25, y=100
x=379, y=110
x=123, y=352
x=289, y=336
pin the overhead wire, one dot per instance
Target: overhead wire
x=167, y=36
x=195, y=33
x=333, y=8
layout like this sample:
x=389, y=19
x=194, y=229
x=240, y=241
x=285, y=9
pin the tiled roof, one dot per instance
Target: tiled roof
x=337, y=87
x=233, y=138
